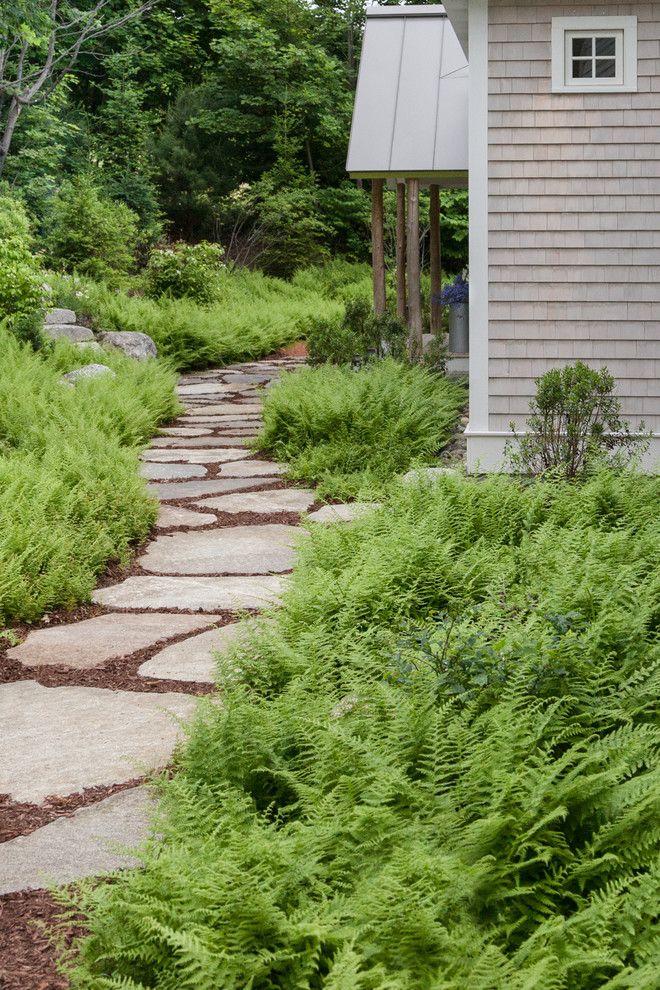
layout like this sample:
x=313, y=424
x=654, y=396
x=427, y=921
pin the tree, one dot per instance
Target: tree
x=40, y=44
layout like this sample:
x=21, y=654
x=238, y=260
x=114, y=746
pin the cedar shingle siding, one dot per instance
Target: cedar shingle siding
x=574, y=202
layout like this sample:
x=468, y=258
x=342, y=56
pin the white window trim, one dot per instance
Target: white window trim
x=563, y=26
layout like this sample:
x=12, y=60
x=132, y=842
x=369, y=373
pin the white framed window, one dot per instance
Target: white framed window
x=594, y=54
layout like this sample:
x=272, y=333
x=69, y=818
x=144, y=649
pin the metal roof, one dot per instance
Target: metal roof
x=411, y=106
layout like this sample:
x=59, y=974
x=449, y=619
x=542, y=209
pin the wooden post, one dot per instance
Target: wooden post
x=401, y=308
x=378, y=245
x=414, y=276
x=436, y=258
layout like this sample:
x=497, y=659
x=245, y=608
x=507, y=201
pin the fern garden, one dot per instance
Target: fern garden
x=435, y=770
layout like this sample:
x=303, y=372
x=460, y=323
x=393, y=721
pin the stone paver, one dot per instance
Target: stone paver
x=342, y=513
x=63, y=739
x=236, y=550
x=93, y=841
x=194, y=658
x=250, y=469
x=95, y=641
x=170, y=472
x=229, y=408
x=195, y=489
x=185, y=443
x=186, y=431
x=208, y=594
x=202, y=388
x=280, y=500
x=174, y=515
x=202, y=456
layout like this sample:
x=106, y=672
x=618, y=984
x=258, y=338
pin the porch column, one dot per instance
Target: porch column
x=414, y=276
x=378, y=245
x=401, y=308
x=436, y=258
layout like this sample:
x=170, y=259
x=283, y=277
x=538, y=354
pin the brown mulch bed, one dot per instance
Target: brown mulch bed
x=27, y=955
x=298, y=350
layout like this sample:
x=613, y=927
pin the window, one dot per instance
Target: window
x=594, y=54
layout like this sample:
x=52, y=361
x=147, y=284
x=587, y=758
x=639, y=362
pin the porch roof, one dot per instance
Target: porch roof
x=411, y=106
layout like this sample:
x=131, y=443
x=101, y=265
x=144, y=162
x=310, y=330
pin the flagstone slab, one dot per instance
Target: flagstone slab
x=173, y=443
x=173, y=515
x=208, y=594
x=63, y=739
x=195, y=489
x=202, y=456
x=265, y=549
x=342, y=513
x=170, y=472
x=93, y=642
x=250, y=379
x=201, y=388
x=186, y=431
x=280, y=500
x=93, y=841
x=193, y=659
x=251, y=469
x=229, y=408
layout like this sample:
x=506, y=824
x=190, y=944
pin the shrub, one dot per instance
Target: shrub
x=90, y=234
x=349, y=430
x=21, y=292
x=187, y=271
x=333, y=827
x=575, y=420
x=70, y=494
x=359, y=335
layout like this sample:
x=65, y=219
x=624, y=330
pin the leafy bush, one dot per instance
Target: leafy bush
x=257, y=315
x=575, y=420
x=349, y=430
x=185, y=271
x=70, y=495
x=21, y=292
x=332, y=828
x=90, y=234
x=360, y=334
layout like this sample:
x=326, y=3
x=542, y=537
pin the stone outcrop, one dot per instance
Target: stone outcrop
x=138, y=346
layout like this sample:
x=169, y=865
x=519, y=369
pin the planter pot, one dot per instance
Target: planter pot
x=459, y=328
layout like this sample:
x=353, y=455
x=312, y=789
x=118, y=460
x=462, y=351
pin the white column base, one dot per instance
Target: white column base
x=485, y=452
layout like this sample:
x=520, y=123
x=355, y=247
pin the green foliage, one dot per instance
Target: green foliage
x=359, y=335
x=21, y=293
x=575, y=419
x=70, y=495
x=89, y=233
x=331, y=827
x=352, y=430
x=255, y=316
x=187, y=271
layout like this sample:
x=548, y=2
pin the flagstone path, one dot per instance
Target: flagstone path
x=98, y=702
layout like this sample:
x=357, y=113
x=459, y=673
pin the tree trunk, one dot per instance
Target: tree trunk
x=15, y=109
x=436, y=259
x=415, y=343
x=401, y=307
x=378, y=245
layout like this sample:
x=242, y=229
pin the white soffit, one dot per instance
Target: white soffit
x=458, y=15
x=411, y=104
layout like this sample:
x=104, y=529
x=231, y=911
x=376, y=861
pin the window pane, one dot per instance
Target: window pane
x=584, y=47
x=606, y=46
x=605, y=68
x=583, y=68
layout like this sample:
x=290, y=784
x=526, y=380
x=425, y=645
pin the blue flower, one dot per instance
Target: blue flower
x=457, y=292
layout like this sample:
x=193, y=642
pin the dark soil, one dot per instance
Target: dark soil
x=27, y=954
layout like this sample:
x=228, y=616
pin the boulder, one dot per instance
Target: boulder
x=89, y=371
x=76, y=334
x=60, y=316
x=134, y=345
x=89, y=345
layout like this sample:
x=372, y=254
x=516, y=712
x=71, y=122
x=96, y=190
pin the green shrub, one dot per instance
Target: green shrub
x=349, y=430
x=359, y=335
x=21, y=292
x=187, y=271
x=575, y=420
x=90, y=234
x=70, y=495
x=348, y=819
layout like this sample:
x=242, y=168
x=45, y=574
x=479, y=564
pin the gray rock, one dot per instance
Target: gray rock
x=208, y=594
x=88, y=371
x=202, y=456
x=105, y=637
x=234, y=550
x=429, y=475
x=185, y=431
x=61, y=740
x=69, y=331
x=202, y=388
x=193, y=659
x=89, y=345
x=280, y=500
x=60, y=316
x=95, y=840
x=166, y=490
x=174, y=443
x=342, y=513
x=138, y=346
x=230, y=408
x=251, y=469
x=172, y=515
x=169, y=472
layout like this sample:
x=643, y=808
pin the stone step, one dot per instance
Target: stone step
x=265, y=549
x=60, y=317
x=59, y=331
x=194, y=659
x=206, y=594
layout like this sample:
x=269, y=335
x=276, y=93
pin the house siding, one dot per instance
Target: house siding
x=574, y=215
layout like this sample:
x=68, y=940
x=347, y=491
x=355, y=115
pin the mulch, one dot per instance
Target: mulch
x=28, y=957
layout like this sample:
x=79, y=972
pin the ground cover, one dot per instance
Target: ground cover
x=253, y=315
x=353, y=431
x=435, y=769
x=70, y=495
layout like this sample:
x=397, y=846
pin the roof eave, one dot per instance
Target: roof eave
x=457, y=11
